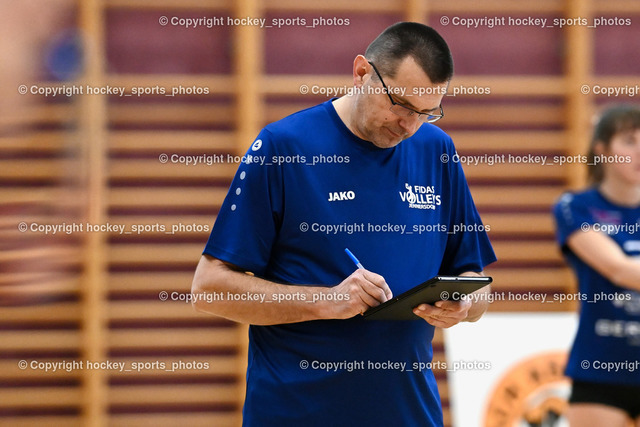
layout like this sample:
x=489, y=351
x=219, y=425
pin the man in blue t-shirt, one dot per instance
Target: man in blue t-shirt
x=368, y=172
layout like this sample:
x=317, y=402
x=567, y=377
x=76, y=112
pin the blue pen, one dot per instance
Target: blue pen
x=353, y=258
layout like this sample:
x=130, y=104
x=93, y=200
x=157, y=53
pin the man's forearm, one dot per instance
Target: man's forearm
x=221, y=291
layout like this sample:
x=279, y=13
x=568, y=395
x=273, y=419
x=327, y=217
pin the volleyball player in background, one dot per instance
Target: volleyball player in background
x=599, y=232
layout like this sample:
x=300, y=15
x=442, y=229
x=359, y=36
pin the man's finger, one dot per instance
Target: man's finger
x=453, y=305
x=378, y=282
x=367, y=298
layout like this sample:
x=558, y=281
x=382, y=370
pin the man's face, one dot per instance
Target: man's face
x=410, y=87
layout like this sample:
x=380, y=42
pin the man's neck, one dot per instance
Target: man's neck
x=344, y=108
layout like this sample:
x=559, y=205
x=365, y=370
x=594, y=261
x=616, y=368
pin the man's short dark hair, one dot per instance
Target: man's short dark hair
x=419, y=41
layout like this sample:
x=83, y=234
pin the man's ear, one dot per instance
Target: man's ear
x=360, y=70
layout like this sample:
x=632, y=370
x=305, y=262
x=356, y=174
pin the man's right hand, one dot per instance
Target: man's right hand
x=365, y=289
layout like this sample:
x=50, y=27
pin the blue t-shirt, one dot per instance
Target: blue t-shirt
x=609, y=329
x=306, y=190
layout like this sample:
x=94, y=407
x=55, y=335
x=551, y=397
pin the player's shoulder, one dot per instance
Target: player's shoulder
x=299, y=123
x=570, y=203
x=578, y=198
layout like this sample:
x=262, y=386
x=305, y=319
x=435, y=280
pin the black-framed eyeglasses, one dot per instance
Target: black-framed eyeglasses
x=403, y=111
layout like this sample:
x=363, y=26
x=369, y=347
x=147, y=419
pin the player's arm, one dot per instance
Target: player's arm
x=602, y=254
x=445, y=314
x=215, y=278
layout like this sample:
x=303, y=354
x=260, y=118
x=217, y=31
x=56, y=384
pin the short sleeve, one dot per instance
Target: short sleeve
x=249, y=220
x=468, y=247
x=570, y=215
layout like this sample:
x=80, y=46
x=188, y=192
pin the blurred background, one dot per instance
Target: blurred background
x=102, y=221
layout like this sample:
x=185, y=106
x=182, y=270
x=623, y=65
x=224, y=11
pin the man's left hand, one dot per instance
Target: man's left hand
x=444, y=314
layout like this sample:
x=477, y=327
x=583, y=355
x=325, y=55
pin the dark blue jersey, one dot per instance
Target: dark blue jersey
x=306, y=190
x=609, y=330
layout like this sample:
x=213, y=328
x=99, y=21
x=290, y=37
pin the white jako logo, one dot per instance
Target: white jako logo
x=341, y=195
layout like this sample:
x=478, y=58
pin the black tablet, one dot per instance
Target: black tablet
x=433, y=290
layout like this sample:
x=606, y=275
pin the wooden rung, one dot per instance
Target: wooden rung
x=514, y=170
x=618, y=80
x=35, y=238
x=52, y=141
x=514, y=223
x=165, y=225
x=183, y=114
x=21, y=276
x=207, y=141
x=42, y=312
x=167, y=367
x=9, y=368
x=18, y=195
x=144, y=310
x=217, y=84
x=499, y=115
x=164, y=197
x=177, y=223
x=520, y=114
x=39, y=340
x=174, y=394
x=336, y=6
x=54, y=254
x=494, y=6
x=170, y=5
x=530, y=278
x=44, y=287
x=26, y=215
x=231, y=419
x=148, y=281
x=619, y=6
x=508, y=141
x=530, y=86
x=521, y=196
x=58, y=114
x=527, y=251
x=40, y=396
x=43, y=420
x=153, y=169
x=173, y=338
x=155, y=254
x=36, y=168
x=497, y=6
x=57, y=196
x=70, y=368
